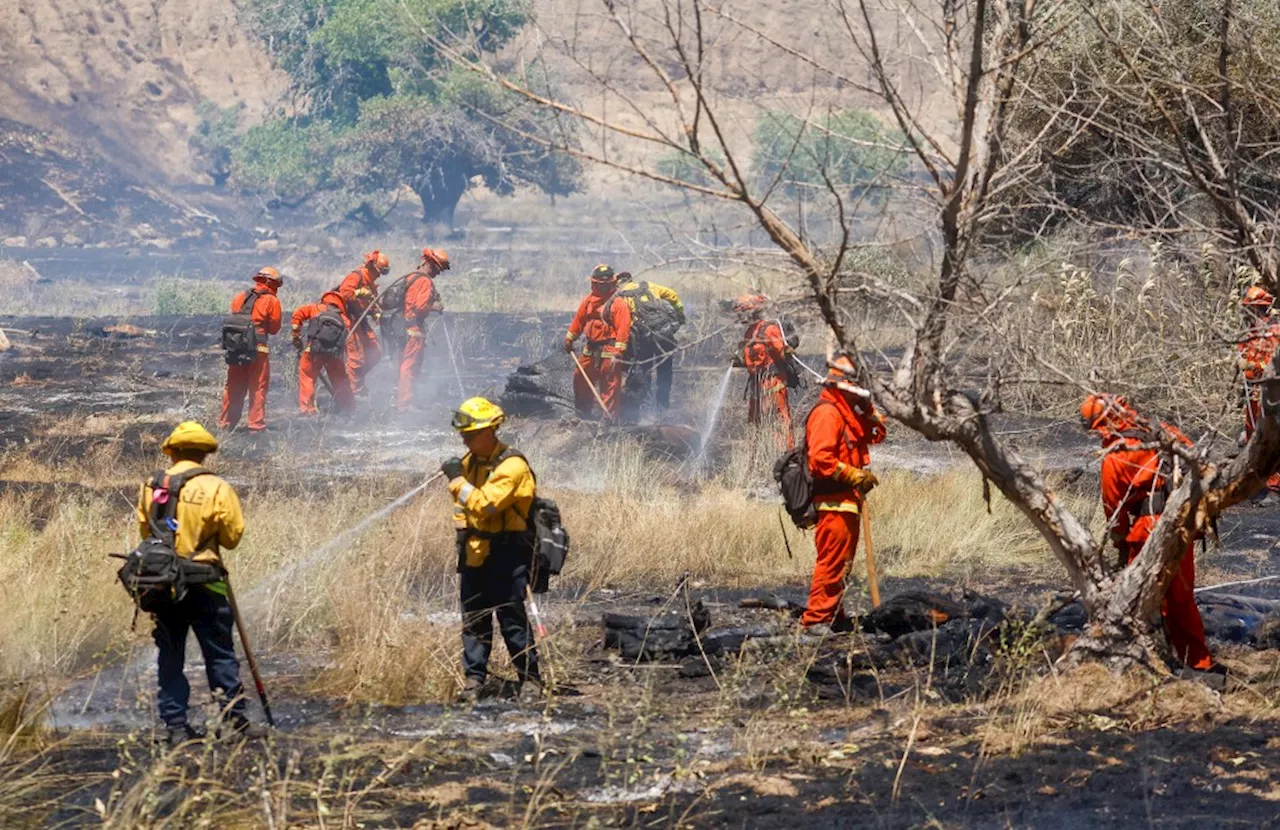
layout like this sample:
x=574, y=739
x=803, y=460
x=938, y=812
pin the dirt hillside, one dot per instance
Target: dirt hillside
x=125, y=76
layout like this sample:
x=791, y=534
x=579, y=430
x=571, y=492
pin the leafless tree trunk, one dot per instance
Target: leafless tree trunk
x=977, y=54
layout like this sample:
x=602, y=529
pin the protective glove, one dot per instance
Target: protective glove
x=862, y=480
x=452, y=468
x=364, y=293
x=568, y=346
x=297, y=343
x=738, y=362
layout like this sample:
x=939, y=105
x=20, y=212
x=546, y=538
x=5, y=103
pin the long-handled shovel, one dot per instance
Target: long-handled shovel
x=871, y=555
x=248, y=655
x=604, y=410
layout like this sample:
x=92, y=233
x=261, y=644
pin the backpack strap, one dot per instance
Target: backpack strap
x=160, y=516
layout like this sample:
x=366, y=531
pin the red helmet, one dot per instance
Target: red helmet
x=378, y=260
x=269, y=274
x=437, y=257
x=843, y=375
x=1107, y=410
x=748, y=303
x=1257, y=297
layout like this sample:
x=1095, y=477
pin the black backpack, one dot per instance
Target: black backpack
x=392, y=323
x=550, y=539
x=791, y=471
x=651, y=315
x=326, y=334
x=154, y=575
x=240, y=337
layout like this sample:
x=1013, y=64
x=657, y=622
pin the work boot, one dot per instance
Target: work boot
x=238, y=727
x=177, y=735
x=1215, y=677
x=471, y=689
x=532, y=692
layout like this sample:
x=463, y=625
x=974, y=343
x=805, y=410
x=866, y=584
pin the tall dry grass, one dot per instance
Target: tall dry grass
x=381, y=611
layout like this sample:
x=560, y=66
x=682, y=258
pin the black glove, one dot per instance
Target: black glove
x=452, y=468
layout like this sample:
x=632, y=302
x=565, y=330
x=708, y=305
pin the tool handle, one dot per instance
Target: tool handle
x=248, y=656
x=871, y=554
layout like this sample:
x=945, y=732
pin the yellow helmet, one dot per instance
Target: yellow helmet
x=476, y=414
x=190, y=435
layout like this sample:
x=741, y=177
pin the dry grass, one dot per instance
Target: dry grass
x=381, y=608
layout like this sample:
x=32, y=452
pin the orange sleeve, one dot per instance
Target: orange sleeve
x=1127, y=478
x=347, y=288
x=822, y=440
x=621, y=321
x=266, y=314
x=420, y=299
x=302, y=315
x=579, y=319
x=237, y=302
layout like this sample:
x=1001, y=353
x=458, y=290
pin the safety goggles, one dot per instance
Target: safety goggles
x=465, y=421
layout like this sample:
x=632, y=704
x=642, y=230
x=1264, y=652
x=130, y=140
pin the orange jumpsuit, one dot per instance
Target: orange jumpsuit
x=837, y=436
x=358, y=289
x=420, y=299
x=764, y=351
x=605, y=321
x=252, y=379
x=1256, y=354
x=1129, y=478
x=309, y=366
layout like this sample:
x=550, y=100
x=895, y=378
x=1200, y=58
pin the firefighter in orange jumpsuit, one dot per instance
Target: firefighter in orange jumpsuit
x=359, y=290
x=1134, y=489
x=420, y=299
x=767, y=357
x=317, y=352
x=1256, y=353
x=838, y=433
x=604, y=320
x=252, y=379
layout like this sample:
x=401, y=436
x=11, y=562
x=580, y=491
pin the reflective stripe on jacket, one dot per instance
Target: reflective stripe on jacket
x=491, y=498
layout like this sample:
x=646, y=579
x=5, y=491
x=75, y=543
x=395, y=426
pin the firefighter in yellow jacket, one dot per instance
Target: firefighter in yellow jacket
x=208, y=519
x=656, y=315
x=493, y=489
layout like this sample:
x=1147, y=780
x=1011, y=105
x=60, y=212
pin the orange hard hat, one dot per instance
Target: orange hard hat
x=378, y=260
x=843, y=375
x=1097, y=410
x=333, y=298
x=437, y=256
x=750, y=302
x=603, y=273
x=1258, y=297
x=269, y=273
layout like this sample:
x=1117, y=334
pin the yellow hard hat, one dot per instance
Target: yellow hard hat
x=476, y=414
x=190, y=435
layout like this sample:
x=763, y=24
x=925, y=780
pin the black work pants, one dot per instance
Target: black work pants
x=653, y=353
x=497, y=587
x=209, y=616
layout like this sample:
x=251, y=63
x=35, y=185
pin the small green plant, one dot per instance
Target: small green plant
x=187, y=298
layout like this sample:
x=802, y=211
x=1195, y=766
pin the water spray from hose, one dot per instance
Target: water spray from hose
x=453, y=358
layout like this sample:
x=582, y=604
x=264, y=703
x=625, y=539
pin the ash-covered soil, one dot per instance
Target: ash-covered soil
x=748, y=739
x=756, y=727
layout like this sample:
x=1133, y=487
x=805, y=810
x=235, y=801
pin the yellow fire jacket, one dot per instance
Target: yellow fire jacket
x=209, y=517
x=659, y=291
x=491, y=498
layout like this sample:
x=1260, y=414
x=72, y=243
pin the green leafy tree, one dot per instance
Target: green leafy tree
x=382, y=111
x=848, y=150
